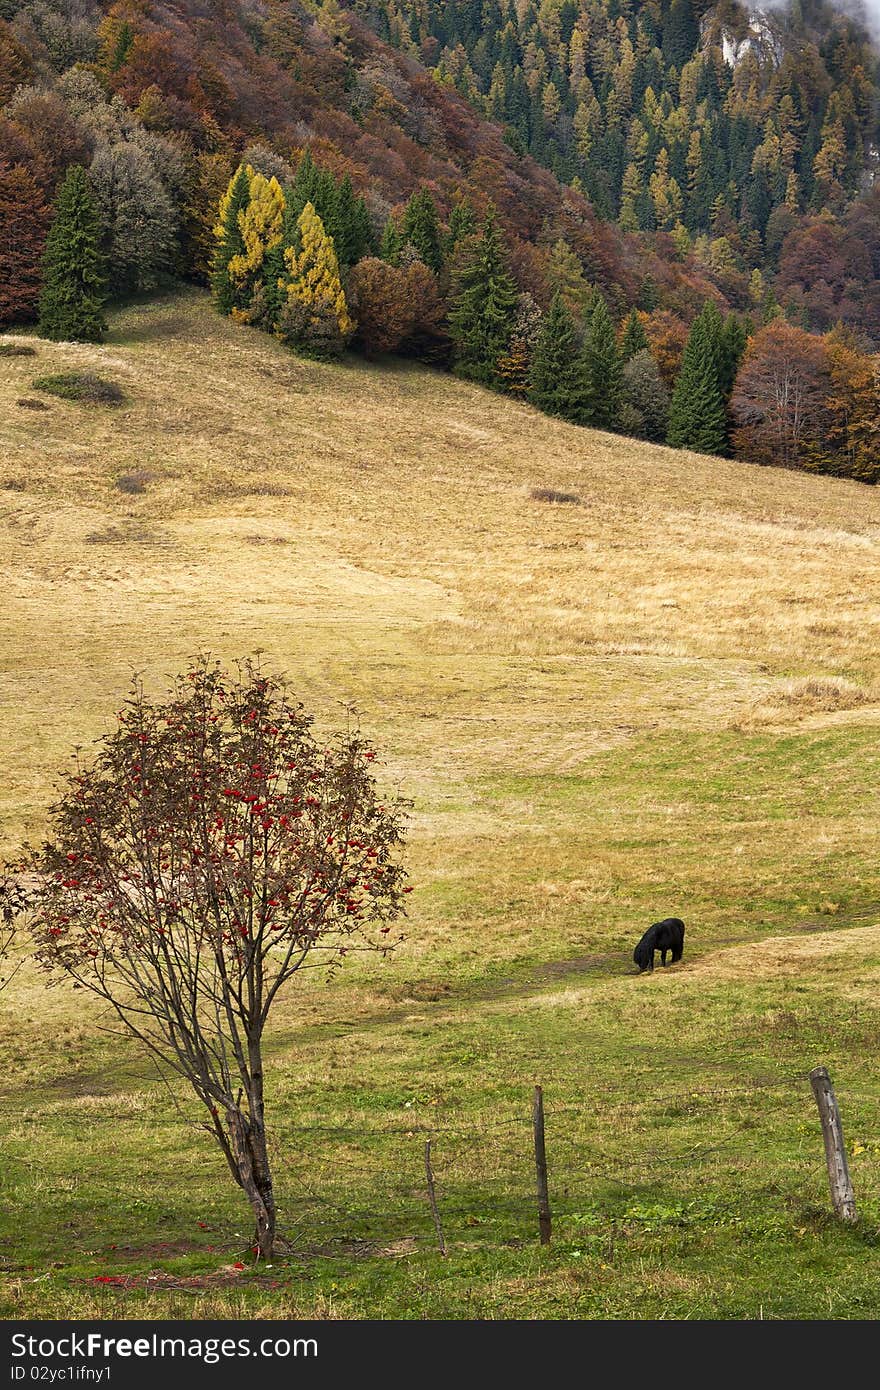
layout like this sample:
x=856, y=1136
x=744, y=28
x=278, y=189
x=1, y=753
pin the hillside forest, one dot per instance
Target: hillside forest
x=661, y=220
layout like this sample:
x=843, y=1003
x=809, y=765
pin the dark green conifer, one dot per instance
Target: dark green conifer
x=462, y=223
x=634, y=338
x=74, y=270
x=304, y=188
x=229, y=241
x=733, y=345
x=556, y=379
x=391, y=244
x=696, y=414
x=603, y=369
x=484, y=308
x=422, y=228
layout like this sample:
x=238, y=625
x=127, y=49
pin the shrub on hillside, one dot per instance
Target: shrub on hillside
x=550, y=494
x=86, y=387
x=134, y=482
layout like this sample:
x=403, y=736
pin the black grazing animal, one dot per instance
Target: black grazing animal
x=664, y=936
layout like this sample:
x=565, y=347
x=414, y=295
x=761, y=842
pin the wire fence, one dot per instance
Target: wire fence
x=492, y=1165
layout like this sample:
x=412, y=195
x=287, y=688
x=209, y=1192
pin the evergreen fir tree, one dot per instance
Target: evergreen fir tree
x=363, y=237
x=74, y=271
x=304, y=188
x=713, y=322
x=391, y=244
x=462, y=224
x=484, y=308
x=229, y=241
x=556, y=380
x=603, y=369
x=634, y=338
x=696, y=412
x=422, y=228
x=733, y=344
x=351, y=230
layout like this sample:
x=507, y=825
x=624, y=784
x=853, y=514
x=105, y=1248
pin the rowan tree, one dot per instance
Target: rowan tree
x=24, y=221
x=14, y=902
x=209, y=851
x=74, y=270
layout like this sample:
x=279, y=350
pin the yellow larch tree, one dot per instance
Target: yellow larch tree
x=315, y=315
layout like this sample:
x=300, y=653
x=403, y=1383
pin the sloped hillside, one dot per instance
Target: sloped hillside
x=617, y=681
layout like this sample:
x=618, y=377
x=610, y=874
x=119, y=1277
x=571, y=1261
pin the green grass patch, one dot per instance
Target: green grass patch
x=86, y=387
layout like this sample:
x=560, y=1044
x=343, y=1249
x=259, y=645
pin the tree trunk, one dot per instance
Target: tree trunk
x=257, y=1139
x=249, y=1143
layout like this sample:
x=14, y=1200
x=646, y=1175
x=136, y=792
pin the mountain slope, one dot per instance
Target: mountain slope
x=658, y=699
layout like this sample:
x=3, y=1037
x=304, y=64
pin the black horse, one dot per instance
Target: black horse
x=664, y=936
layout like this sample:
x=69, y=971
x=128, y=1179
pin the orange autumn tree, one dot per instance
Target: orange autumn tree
x=24, y=223
x=853, y=435
x=398, y=308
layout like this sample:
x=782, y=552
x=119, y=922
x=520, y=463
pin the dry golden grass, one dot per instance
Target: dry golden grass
x=372, y=530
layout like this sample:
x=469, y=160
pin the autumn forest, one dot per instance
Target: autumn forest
x=655, y=219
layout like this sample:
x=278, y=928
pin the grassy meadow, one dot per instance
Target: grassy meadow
x=662, y=699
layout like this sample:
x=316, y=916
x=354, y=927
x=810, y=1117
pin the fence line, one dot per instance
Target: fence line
x=561, y=1158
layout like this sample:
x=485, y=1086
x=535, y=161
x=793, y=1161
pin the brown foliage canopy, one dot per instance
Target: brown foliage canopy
x=24, y=222
x=780, y=400
x=396, y=308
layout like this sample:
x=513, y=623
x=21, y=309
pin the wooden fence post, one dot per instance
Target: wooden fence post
x=842, y=1194
x=541, y=1166
x=432, y=1197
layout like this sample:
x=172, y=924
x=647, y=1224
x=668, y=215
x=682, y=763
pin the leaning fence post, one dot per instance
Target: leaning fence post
x=432, y=1197
x=541, y=1166
x=842, y=1194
